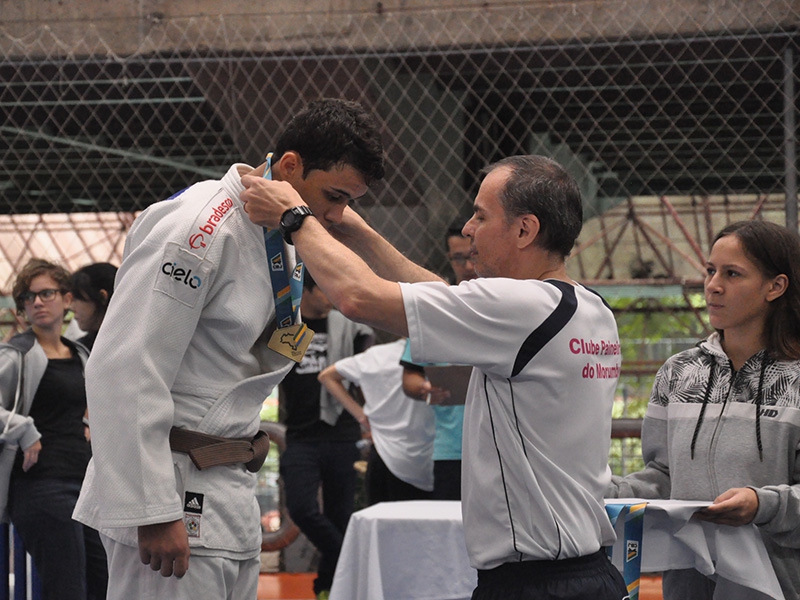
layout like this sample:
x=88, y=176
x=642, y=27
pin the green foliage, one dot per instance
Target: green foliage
x=651, y=330
x=270, y=409
x=655, y=319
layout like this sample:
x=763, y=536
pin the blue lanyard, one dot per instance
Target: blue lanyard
x=286, y=291
x=634, y=533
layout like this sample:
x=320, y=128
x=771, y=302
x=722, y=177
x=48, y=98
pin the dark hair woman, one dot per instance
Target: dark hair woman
x=92, y=287
x=704, y=436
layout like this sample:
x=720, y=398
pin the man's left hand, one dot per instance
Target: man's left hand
x=265, y=200
x=737, y=506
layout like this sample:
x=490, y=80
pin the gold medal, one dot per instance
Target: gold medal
x=291, y=342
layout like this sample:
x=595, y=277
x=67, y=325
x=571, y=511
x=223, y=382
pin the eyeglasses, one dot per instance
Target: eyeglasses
x=30, y=297
x=459, y=259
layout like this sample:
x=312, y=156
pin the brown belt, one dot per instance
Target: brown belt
x=212, y=451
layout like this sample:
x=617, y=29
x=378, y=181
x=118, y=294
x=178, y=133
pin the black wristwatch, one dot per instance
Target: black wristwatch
x=291, y=221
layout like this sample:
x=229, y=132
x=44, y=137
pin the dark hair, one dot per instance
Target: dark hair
x=331, y=132
x=87, y=283
x=540, y=186
x=33, y=269
x=775, y=250
x=454, y=230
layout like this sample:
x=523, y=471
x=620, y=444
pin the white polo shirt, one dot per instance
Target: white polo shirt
x=537, y=426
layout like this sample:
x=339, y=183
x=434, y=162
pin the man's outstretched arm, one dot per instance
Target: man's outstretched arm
x=350, y=284
x=383, y=258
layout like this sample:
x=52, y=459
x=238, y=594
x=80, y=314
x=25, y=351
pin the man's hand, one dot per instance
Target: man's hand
x=417, y=387
x=30, y=456
x=265, y=200
x=165, y=547
x=737, y=506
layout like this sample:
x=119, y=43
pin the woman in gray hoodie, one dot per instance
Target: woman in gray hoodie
x=723, y=422
x=41, y=372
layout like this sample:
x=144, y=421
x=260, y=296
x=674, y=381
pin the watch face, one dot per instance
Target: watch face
x=289, y=219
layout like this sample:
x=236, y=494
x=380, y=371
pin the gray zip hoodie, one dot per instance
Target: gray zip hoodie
x=22, y=432
x=709, y=428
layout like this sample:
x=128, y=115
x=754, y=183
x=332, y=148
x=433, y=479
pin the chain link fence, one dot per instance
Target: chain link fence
x=677, y=103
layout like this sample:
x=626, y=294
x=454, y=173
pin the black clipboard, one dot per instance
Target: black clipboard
x=451, y=377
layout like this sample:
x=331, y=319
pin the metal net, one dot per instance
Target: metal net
x=675, y=118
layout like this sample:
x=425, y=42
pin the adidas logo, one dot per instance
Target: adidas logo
x=193, y=502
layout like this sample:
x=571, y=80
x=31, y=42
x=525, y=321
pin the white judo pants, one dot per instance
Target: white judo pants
x=208, y=577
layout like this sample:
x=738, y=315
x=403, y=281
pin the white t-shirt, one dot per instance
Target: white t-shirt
x=402, y=429
x=537, y=426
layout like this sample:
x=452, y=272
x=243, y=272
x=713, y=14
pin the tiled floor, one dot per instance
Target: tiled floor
x=286, y=586
x=650, y=587
x=297, y=586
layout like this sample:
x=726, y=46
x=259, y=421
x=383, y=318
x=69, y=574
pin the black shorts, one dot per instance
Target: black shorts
x=590, y=577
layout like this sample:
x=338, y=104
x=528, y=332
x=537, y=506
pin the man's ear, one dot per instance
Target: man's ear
x=527, y=230
x=290, y=165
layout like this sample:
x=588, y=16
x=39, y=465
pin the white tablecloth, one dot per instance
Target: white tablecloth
x=416, y=551
x=736, y=555
x=411, y=550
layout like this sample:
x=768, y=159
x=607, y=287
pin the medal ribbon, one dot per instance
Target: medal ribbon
x=286, y=291
x=634, y=533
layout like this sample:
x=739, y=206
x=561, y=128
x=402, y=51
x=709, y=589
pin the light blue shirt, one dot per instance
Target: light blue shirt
x=449, y=421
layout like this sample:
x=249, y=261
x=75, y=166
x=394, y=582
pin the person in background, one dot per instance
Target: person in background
x=400, y=463
x=449, y=418
x=50, y=466
x=320, y=436
x=92, y=287
x=723, y=423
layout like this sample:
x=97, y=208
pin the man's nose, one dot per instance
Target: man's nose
x=335, y=213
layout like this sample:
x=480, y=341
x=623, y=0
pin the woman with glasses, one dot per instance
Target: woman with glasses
x=43, y=405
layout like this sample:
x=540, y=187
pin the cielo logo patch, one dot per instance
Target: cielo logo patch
x=183, y=275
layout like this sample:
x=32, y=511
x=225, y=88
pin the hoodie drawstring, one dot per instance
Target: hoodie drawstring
x=703, y=408
x=759, y=399
x=758, y=406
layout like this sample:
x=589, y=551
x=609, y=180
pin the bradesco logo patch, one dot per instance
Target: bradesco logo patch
x=209, y=220
x=182, y=275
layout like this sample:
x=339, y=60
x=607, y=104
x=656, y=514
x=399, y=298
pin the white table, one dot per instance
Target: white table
x=416, y=551
x=412, y=550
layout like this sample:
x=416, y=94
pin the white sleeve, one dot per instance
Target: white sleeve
x=480, y=322
x=350, y=368
x=149, y=324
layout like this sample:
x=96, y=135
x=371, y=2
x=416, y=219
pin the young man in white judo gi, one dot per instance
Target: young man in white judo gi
x=201, y=327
